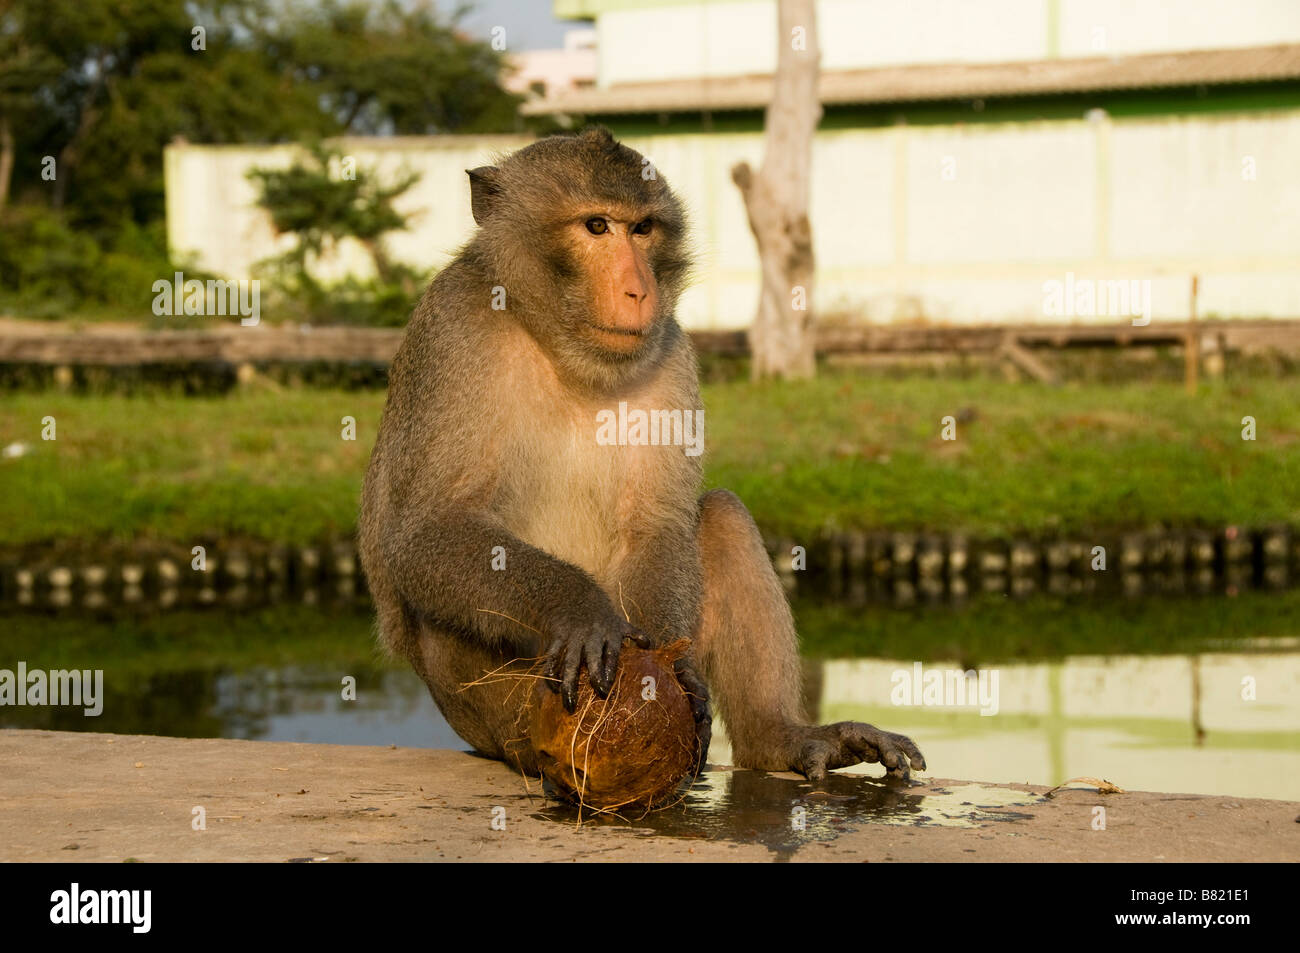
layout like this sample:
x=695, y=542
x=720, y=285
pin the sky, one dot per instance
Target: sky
x=529, y=24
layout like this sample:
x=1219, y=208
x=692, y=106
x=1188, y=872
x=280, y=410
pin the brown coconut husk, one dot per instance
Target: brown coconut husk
x=623, y=750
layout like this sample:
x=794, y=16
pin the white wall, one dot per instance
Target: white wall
x=1088, y=27
x=947, y=223
x=663, y=41
x=212, y=213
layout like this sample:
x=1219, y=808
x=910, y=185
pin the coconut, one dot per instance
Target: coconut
x=632, y=748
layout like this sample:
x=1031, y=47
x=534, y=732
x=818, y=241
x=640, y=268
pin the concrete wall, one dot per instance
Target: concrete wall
x=955, y=224
x=212, y=213
x=667, y=39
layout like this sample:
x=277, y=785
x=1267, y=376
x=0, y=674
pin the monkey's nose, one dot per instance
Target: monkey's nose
x=633, y=314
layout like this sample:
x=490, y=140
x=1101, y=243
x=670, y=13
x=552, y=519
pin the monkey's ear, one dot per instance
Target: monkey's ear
x=484, y=190
x=598, y=134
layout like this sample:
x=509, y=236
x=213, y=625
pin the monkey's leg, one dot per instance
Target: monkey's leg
x=748, y=652
x=485, y=694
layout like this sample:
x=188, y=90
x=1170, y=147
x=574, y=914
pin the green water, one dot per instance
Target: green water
x=1194, y=695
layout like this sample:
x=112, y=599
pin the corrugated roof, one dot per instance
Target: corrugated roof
x=917, y=83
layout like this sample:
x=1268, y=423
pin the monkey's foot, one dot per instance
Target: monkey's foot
x=816, y=749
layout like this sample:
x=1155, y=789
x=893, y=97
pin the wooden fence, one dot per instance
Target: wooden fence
x=31, y=343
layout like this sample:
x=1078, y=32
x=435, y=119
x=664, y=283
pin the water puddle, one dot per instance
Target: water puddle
x=785, y=812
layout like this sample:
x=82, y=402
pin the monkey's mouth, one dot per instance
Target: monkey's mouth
x=624, y=332
x=619, y=340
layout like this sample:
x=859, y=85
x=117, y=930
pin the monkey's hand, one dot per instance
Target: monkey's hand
x=816, y=749
x=591, y=636
x=697, y=693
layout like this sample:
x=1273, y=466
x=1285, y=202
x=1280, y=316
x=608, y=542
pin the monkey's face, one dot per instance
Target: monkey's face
x=587, y=241
x=613, y=251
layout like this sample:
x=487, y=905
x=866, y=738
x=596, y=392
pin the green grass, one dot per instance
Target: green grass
x=857, y=452
x=269, y=465
x=844, y=451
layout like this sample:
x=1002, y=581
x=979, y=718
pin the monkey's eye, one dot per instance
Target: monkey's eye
x=597, y=226
x=643, y=228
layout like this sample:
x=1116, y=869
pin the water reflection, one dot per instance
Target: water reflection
x=1173, y=699
x=1210, y=723
x=305, y=703
x=785, y=812
x=292, y=703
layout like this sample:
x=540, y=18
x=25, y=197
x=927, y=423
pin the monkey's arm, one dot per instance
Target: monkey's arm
x=658, y=580
x=659, y=584
x=659, y=588
x=442, y=564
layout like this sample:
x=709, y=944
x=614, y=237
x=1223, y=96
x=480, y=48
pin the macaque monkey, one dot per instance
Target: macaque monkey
x=497, y=529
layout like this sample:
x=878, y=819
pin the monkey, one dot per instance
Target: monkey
x=496, y=530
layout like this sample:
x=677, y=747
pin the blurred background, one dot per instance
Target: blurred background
x=1053, y=427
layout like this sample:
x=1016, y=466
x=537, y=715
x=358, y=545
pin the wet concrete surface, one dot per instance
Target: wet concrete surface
x=785, y=813
x=68, y=796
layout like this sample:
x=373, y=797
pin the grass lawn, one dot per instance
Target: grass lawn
x=844, y=451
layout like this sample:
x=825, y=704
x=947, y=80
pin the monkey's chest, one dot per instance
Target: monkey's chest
x=575, y=499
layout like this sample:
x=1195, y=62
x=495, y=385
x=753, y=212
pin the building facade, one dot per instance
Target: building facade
x=975, y=159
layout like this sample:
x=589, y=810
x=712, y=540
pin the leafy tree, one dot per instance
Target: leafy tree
x=130, y=79
x=102, y=86
x=393, y=68
x=24, y=68
x=322, y=200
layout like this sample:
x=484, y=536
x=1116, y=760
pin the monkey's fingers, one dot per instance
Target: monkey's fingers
x=603, y=653
x=602, y=665
x=703, y=736
x=913, y=753
x=553, y=667
x=812, y=759
x=572, y=665
x=897, y=752
x=640, y=638
x=697, y=693
x=867, y=743
x=896, y=764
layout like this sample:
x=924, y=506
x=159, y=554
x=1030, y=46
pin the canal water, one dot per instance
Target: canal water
x=1193, y=695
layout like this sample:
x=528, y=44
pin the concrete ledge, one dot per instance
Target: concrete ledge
x=97, y=797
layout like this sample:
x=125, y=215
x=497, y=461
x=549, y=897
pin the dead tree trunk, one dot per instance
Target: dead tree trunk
x=776, y=200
